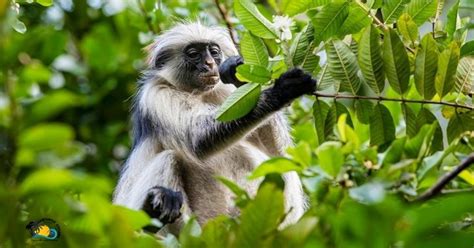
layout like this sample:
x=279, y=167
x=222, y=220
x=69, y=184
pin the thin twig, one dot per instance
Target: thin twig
x=445, y=179
x=145, y=15
x=225, y=17
x=381, y=98
x=376, y=20
x=456, y=191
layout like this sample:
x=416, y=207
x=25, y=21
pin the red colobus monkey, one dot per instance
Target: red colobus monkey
x=179, y=146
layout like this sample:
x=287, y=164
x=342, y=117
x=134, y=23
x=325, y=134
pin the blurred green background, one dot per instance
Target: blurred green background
x=68, y=72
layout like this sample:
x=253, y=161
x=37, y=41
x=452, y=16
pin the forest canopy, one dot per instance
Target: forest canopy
x=384, y=146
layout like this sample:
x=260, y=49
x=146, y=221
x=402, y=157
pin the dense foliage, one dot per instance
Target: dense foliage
x=391, y=117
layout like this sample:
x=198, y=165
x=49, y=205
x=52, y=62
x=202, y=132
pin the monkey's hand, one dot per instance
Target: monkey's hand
x=292, y=84
x=228, y=68
x=163, y=204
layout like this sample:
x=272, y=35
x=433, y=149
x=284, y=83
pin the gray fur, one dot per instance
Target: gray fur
x=179, y=144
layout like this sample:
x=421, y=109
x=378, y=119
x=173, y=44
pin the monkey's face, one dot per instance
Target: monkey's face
x=200, y=69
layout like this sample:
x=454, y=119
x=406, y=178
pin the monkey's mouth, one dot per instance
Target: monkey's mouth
x=209, y=78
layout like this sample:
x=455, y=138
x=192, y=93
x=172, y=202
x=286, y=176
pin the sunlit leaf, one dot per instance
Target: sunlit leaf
x=253, y=73
x=239, y=103
x=45, y=2
x=465, y=76
x=453, y=19
x=356, y=20
x=253, y=20
x=408, y=29
x=447, y=65
x=293, y=7
x=421, y=10
x=392, y=9
x=328, y=21
x=253, y=50
x=275, y=165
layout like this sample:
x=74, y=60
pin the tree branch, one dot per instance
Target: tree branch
x=376, y=20
x=145, y=15
x=225, y=17
x=387, y=99
x=445, y=179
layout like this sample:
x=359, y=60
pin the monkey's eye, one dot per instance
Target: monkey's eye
x=215, y=51
x=192, y=53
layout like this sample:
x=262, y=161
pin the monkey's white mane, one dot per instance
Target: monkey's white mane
x=185, y=33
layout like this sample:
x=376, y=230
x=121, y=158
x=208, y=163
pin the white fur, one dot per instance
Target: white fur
x=170, y=161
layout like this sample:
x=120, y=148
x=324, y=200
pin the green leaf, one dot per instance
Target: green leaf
x=46, y=136
x=240, y=102
x=343, y=66
x=19, y=26
x=426, y=65
x=336, y=110
x=275, y=165
x=260, y=216
x=254, y=50
x=45, y=2
x=330, y=157
x=329, y=20
x=232, y=186
x=392, y=9
x=325, y=80
x=452, y=20
x=369, y=193
x=447, y=65
x=396, y=63
x=421, y=10
x=370, y=59
x=320, y=113
x=382, y=129
x=363, y=110
x=459, y=124
x=293, y=7
x=410, y=120
x=408, y=29
x=465, y=76
x=253, y=20
x=467, y=49
x=54, y=103
x=356, y=20
x=302, y=50
x=253, y=73
x=301, y=44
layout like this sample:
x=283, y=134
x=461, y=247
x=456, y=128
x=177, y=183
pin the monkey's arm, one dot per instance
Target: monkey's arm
x=210, y=135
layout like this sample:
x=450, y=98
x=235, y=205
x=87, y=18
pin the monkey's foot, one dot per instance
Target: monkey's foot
x=163, y=204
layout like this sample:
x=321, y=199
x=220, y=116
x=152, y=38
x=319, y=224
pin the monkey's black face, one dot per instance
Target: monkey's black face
x=201, y=67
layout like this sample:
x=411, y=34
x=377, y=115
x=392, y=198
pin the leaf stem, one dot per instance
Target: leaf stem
x=376, y=20
x=388, y=99
x=225, y=16
x=445, y=179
